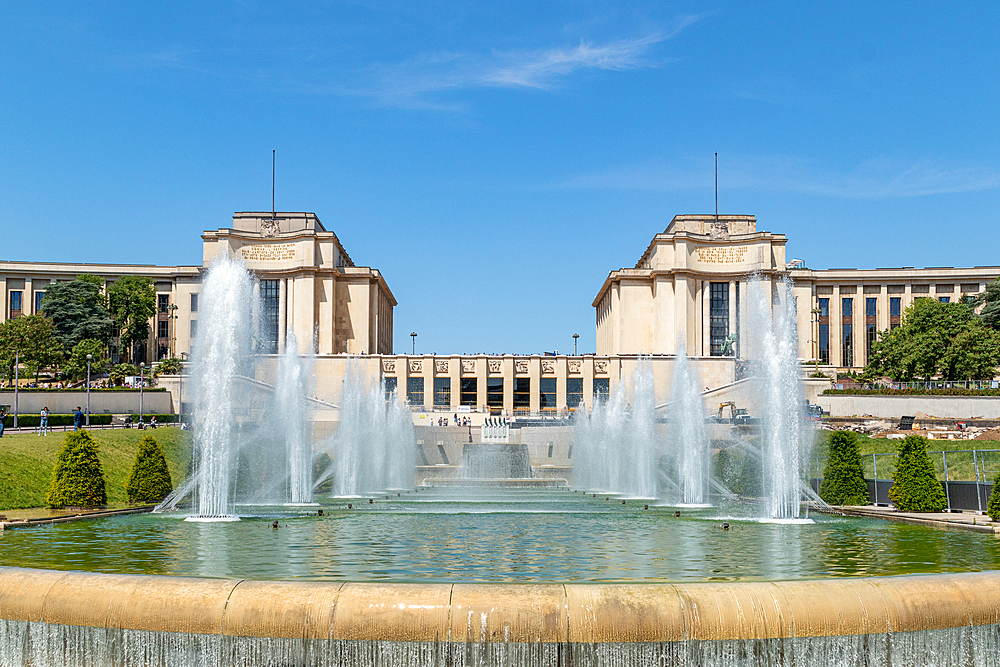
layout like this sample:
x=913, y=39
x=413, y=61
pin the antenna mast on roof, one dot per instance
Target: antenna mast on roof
x=272, y=186
x=716, y=188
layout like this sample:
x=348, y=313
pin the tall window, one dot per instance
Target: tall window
x=547, y=394
x=602, y=389
x=824, y=331
x=38, y=301
x=194, y=328
x=194, y=303
x=162, y=302
x=847, y=332
x=162, y=329
x=269, y=316
x=718, y=315
x=15, y=303
x=522, y=393
x=870, y=307
x=390, y=385
x=871, y=325
x=494, y=392
x=574, y=393
x=469, y=390
x=944, y=299
x=442, y=392
x=415, y=391
x=895, y=310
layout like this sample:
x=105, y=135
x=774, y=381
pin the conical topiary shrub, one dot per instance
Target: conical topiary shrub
x=915, y=487
x=77, y=480
x=993, y=508
x=844, y=479
x=149, y=479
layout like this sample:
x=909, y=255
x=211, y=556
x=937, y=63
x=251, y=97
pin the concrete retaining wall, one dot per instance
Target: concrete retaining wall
x=49, y=617
x=947, y=407
x=65, y=402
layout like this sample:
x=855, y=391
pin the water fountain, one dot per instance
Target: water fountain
x=616, y=448
x=687, y=439
x=292, y=419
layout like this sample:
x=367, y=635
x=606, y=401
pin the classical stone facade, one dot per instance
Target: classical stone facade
x=307, y=281
x=691, y=285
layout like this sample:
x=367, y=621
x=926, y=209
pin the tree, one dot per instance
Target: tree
x=132, y=301
x=844, y=479
x=119, y=372
x=77, y=480
x=915, y=487
x=935, y=339
x=92, y=280
x=78, y=312
x=76, y=363
x=171, y=366
x=149, y=479
x=990, y=301
x=31, y=339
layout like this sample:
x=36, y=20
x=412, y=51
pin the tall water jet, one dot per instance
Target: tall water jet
x=687, y=437
x=374, y=448
x=616, y=445
x=291, y=418
x=220, y=354
x=777, y=389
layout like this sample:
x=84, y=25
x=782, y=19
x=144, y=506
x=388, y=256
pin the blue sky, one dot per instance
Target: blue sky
x=496, y=160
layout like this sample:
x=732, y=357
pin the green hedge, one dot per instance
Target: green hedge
x=149, y=479
x=55, y=420
x=844, y=480
x=912, y=392
x=78, y=479
x=915, y=487
x=160, y=419
x=83, y=390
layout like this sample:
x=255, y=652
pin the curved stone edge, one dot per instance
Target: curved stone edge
x=505, y=613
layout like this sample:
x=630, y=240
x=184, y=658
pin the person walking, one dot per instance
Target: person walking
x=78, y=419
x=3, y=418
x=43, y=421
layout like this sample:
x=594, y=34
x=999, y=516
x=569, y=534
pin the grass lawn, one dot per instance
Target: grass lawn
x=27, y=460
x=960, y=464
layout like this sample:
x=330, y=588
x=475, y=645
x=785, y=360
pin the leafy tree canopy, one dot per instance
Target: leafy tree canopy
x=132, y=301
x=935, y=339
x=77, y=480
x=119, y=372
x=990, y=301
x=91, y=279
x=32, y=339
x=77, y=309
x=171, y=366
x=76, y=362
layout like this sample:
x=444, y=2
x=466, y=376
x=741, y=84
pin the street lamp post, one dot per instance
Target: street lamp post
x=17, y=362
x=575, y=337
x=172, y=308
x=180, y=390
x=413, y=338
x=142, y=381
x=815, y=319
x=89, y=357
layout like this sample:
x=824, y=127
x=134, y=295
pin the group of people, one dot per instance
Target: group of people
x=457, y=421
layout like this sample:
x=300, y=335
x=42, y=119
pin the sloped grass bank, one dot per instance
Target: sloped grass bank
x=27, y=460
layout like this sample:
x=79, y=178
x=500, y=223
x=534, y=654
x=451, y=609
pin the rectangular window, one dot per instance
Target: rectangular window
x=162, y=329
x=944, y=299
x=547, y=394
x=848, y=345
x=574, y=393
x=847, y=307
x=871, y=335
x=469, y=390
x=895, y=308
x=442, y=392
x=162, y=302
x=415, y=391
x=194, y=303
x=269, y=292
x=194, y=328
x=602, y=389
x=15, y=304
x=494, y=392
x=163, y=352
x=389, y=384
x=870, y=307
x=38, y=301
x=718, y=315
x=522, y=393
x=824, y=331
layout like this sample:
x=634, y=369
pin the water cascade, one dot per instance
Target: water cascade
x=221, y=353
x=687, y=437
x=616, y=445
x=292, y=420
x=777, y=391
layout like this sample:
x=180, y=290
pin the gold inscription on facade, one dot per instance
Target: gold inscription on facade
x=269, y=252
x=722, y=254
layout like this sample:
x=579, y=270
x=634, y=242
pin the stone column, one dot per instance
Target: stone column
x=481, y=382
x=535, y=374
x=282, y=313
x=705, y=298
x=732, y=311
x=681, y=296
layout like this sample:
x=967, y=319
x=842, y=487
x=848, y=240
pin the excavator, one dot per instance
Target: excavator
x=736, y=415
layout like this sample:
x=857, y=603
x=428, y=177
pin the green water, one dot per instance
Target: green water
x=444, y=535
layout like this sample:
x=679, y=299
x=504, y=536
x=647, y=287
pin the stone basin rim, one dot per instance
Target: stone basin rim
x=511, y=612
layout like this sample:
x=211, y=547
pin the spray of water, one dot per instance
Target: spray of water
x=687, y=438
x=292, y=419
x=777, y=390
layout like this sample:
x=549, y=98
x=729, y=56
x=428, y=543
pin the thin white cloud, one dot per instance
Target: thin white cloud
x=422, y=81
x=880, y=178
